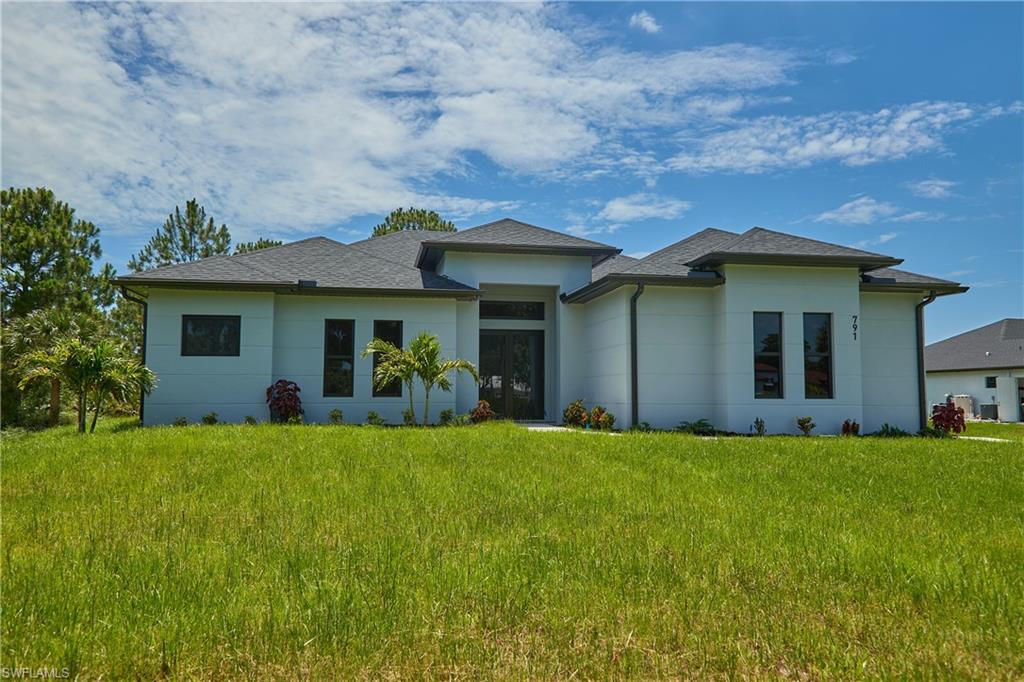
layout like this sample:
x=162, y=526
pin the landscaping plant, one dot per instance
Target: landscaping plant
x=481, y=413
x=805, y=424
x=283, y=401
x=595, y=416
x=446, y=417
x=336, y=416
x=759, y=427
x=576, y=414
x=948, y=417
x=701, y=427
x=250, y=420
x=606, y=422
x=210, y=418
x=374, y=419
x=851, y=428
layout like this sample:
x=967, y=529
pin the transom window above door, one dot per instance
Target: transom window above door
x=511, y=310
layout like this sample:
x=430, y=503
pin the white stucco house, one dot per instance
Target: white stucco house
x=721, y=325
x=986, y=364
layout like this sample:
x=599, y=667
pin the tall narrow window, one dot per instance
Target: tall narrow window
x=817, y=355
x=210, y=334
x=338, y=358
x=390, y=331
x=767, y=355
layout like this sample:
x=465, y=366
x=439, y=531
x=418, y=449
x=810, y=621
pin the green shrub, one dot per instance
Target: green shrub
x=336, y=416
x=295, y=419
x=888, y=431
x=408, y=417
x=805, y=424
x=446, y=417
x=210, y=418
x=250, y=420
x=180, y=421
x=933, y=432
x=576, y=414
x=759, y=427
x=701, y=427
x=374, y=419
x=643, y=427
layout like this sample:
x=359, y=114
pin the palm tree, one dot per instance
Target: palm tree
x=432, y=370
x=69, y=362
x=102, y=369
x=117, y=375
x=394, y=364
x=42, y=330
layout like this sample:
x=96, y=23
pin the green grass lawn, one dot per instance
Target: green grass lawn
x=273, y=551
x=994, y=430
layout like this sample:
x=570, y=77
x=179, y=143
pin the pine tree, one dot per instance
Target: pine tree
x=261, y=243
x=413, y=219
x=182, y=239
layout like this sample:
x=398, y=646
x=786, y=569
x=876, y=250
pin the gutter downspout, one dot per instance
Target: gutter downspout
x=633, y=361
x=921, y=387
x=145, y=335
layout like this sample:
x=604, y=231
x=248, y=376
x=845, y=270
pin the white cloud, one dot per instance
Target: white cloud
x=299, y=117
x=959, y=273
x=860, y=211
x=643, y=206
x=877, y=241
x=851, y=138
x=644, y=21
x=866, y=211
x=932, y=188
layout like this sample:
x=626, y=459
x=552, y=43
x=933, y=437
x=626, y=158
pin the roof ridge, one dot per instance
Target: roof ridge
x=908, y=272
x=758, y=228
x=530, y=225
x=969, y=331
x=685, y=239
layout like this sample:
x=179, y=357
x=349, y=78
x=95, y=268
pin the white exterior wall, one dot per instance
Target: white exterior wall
x=605, y=345
x=676, y=362
x=888, y=330
x=792, y=291
x=299, y=350
x=192, y=386
x=972, y=383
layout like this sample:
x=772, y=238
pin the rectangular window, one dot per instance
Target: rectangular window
x=338, y=357
x=767, y=355
x=817, y=355
x=210, y=334
x=511, y=310
x=990, y=382
x=390, y=331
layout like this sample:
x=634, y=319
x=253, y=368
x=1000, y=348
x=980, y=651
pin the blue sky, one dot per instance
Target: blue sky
x=893, y=127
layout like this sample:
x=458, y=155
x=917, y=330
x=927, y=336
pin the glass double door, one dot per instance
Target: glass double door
x=512, y=372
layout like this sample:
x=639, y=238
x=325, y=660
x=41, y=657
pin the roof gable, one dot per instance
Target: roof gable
x=994, y=346
x=763, y=246
x=511, y=236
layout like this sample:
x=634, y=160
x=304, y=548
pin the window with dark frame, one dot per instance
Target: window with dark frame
x=767, y=355
x=390, y=331
x=338, y=357
x=990, y=382
x=511, y=310
x=211, y=335
x=817, y=355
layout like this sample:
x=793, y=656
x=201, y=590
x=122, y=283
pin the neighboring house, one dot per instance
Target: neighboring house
x=721, y=326
x=986, y=364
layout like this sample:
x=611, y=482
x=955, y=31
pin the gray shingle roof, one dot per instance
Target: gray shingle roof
x=996, y=345
x=760, y=245
x=331, y=264
x=672, y=260
x=511, y=236
x=611, y=264
x=400, y=247
x=894, y=277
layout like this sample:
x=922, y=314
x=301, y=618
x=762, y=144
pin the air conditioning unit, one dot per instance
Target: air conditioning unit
x=966, y=403
x=990, y=411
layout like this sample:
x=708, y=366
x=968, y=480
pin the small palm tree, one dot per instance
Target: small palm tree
x=393, y=364
x=69, y=362
x=432, y=370
x=117, y=375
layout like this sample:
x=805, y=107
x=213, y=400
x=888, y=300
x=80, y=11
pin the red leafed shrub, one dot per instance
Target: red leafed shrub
x=576, y=414
x=481, y=413
x=948, y=417
x=595, y=416
x=851, y=428
x=283, y=401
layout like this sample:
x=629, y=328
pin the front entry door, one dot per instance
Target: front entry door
x=512, y=372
